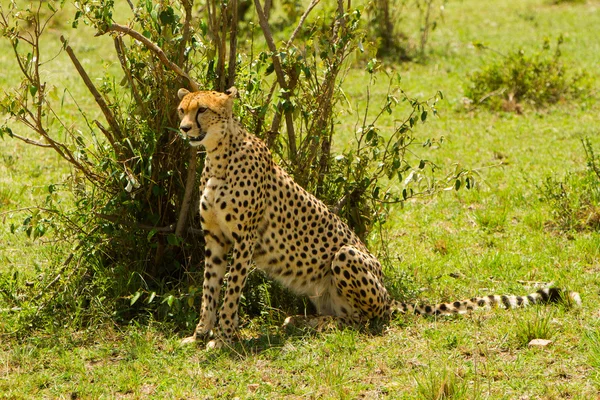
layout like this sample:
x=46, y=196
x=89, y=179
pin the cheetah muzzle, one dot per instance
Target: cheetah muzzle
x=251, y=208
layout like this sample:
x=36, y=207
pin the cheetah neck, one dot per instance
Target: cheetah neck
x=218, y=157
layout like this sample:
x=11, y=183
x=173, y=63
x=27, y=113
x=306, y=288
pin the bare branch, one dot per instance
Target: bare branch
x=289, y=120
x=264, y=25
x=232, y=42
x=190, y=184
x=120, y=49
x=268, y=5
x=110, y=118
x=152, y=47
x=31, y=120
x=340, y=21
x=187, y=6
x=221, y=55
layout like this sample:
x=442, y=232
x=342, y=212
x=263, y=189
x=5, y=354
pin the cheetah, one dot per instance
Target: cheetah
x=253, y=208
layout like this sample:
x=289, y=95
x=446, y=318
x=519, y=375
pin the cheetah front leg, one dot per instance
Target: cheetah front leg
x=215, y=265
x=238, y=272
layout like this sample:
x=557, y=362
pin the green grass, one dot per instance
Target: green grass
x=493, y=239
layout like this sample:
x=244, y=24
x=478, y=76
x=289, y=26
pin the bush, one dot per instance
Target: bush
x=575, y=200
x=538, y=80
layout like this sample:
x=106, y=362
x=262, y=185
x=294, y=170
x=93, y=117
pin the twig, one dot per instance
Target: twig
x=493, y=93
x=30, y=120
x=56, y=278
x=17, y=210
x=117, y=220
x=29, y=141
x=312, y=5
x=152, y=47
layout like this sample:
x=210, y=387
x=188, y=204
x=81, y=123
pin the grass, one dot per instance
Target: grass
x=538, y=326
x=494, y=239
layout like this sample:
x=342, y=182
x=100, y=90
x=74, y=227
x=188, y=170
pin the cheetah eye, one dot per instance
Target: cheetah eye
x=202, y=109
x=180, y=111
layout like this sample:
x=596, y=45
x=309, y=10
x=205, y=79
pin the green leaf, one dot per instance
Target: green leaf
x=423, y=116
x=371, y=65
x=78, y=15
x=135, y=297
x=167, y=17
x=457, y=184
x=172, y=239
x=470, y=182
x=151, y=234
x=307, y=72
x=5, y=130
x=151, y=297
x=33, y=90
x=376, y=192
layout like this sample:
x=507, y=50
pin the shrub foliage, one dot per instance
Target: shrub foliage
x=539, y=79
x=575, y=200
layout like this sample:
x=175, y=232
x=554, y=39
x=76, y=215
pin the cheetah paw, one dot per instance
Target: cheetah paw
x=188, y=340
x=214, y=344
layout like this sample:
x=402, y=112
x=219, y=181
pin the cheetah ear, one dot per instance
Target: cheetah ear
x=232, y=92
x=181, y=93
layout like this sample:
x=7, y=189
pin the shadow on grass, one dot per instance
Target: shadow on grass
x=273, y=339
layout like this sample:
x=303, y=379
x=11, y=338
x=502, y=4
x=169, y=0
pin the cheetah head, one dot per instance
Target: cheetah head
x=205, y=115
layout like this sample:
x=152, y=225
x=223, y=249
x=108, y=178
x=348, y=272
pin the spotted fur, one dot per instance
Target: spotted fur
x=253, y=209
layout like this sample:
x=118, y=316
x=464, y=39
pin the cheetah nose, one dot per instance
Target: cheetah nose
x=185, y=128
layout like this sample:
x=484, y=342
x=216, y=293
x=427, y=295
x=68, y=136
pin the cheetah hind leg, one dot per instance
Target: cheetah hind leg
x=355, y=295
x=358, y=294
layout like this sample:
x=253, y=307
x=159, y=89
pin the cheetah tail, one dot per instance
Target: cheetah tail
x=542, y=296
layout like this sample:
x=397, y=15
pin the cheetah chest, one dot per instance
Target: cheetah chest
x=215, y=207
